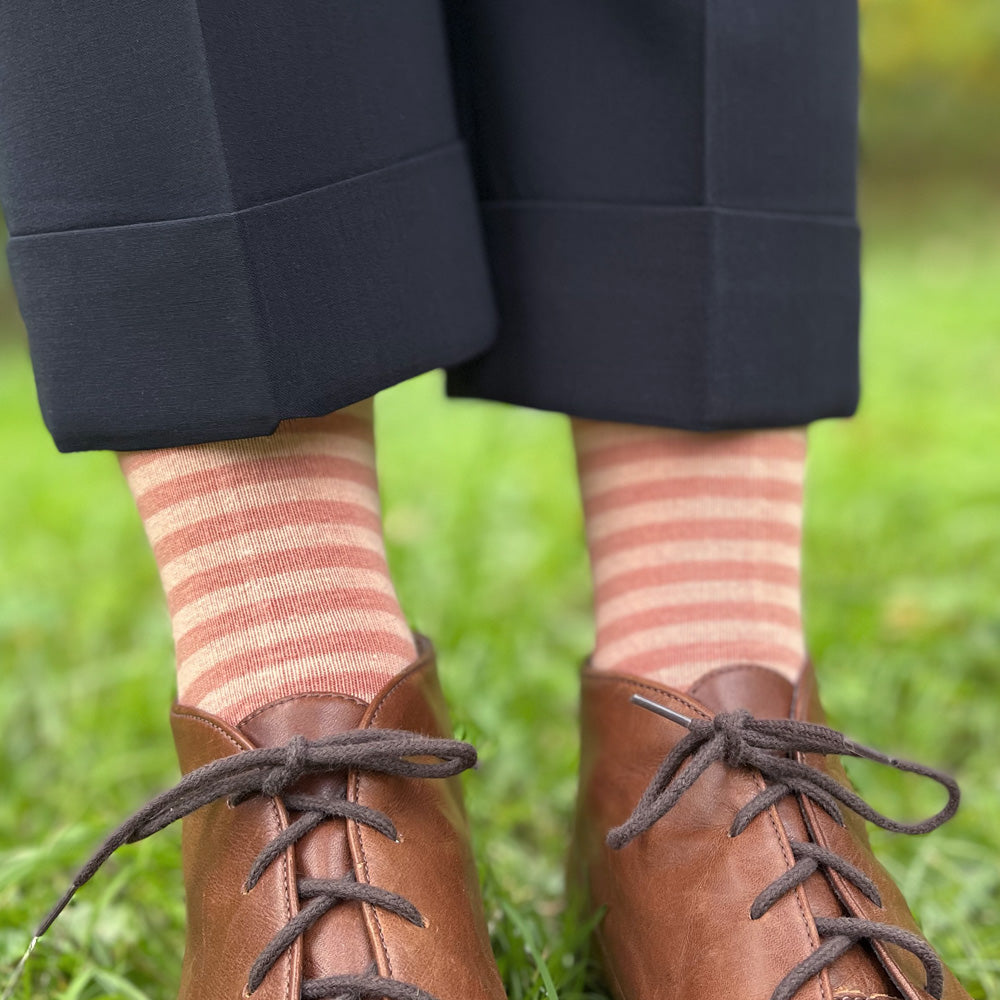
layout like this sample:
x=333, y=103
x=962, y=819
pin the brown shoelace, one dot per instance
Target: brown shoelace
x=766, y=745
x=268, y=771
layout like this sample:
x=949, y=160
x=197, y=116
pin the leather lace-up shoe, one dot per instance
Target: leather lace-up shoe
x=720, y=835
x=326, y=850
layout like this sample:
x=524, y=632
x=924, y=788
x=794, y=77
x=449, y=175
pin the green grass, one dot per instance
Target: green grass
x=903, y=570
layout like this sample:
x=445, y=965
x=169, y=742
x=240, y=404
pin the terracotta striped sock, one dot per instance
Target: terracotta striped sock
x=270, y=551
x=695, y=548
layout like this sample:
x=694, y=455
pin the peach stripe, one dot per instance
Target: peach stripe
x=237, y=475
x=226, y=526
x=327, y=645
x=132, y=462
x=695, y=553
x=701, y=488
x=263, y=564
x=709, y=530
x=690, y=594
x=710, y=633
x=684, y=663
x=688, y=572
x=259, y=496
x=633, y=449
x=239, y=698
x=285, y=538
x=207, y=458
x=692, y=510
x=671, y=469
x=250, y=645
x=716, y=612
x=149, y=467
x=278, y=610
x=282, y=585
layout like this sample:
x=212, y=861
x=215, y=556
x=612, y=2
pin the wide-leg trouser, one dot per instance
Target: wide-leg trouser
x=225, y=213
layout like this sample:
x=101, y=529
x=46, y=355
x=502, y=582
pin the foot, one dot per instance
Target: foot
x=326, y=850
x=730, y=854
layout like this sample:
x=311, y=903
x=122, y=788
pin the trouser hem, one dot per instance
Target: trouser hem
x=183, y=331
x=698, y=318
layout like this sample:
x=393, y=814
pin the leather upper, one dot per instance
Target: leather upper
x=431, y=865
x=677, y=899
x=851, y=842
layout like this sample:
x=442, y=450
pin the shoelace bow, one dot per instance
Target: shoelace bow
x=268, y=771
x=766, y=745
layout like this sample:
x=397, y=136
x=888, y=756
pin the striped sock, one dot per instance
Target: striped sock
x=695, y=548
x=270, y=551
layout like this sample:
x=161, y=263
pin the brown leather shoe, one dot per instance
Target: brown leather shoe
x=326, y=850
x=720, y=848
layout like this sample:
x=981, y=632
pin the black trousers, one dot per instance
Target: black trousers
x=225, y=213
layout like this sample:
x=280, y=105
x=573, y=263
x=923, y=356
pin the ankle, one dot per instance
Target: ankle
x=695, y=543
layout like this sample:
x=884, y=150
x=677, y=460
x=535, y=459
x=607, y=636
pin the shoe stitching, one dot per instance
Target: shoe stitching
x=327, y=696
x=357, y=779
x=596, y=677
x=398, y=685
x=726, y=671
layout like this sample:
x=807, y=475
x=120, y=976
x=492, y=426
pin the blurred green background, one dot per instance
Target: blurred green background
x=903, y=583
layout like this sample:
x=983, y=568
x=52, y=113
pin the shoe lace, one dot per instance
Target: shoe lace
x=742, y=741
x=268, y=772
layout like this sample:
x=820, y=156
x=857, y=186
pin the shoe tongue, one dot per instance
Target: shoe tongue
x=763, y=692
x=310, y=715
x=338, y=943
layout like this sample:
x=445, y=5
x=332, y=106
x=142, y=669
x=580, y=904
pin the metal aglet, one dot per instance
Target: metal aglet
x=667, y=713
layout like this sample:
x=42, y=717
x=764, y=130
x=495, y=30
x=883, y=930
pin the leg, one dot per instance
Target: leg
x=695, y=543
x=669, y=204
x=273, y=563
x=229, y=218
x=669, y=189
x=668, y=197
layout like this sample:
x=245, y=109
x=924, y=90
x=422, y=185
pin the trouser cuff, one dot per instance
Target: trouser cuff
x=687, y=317
x=183, y=331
